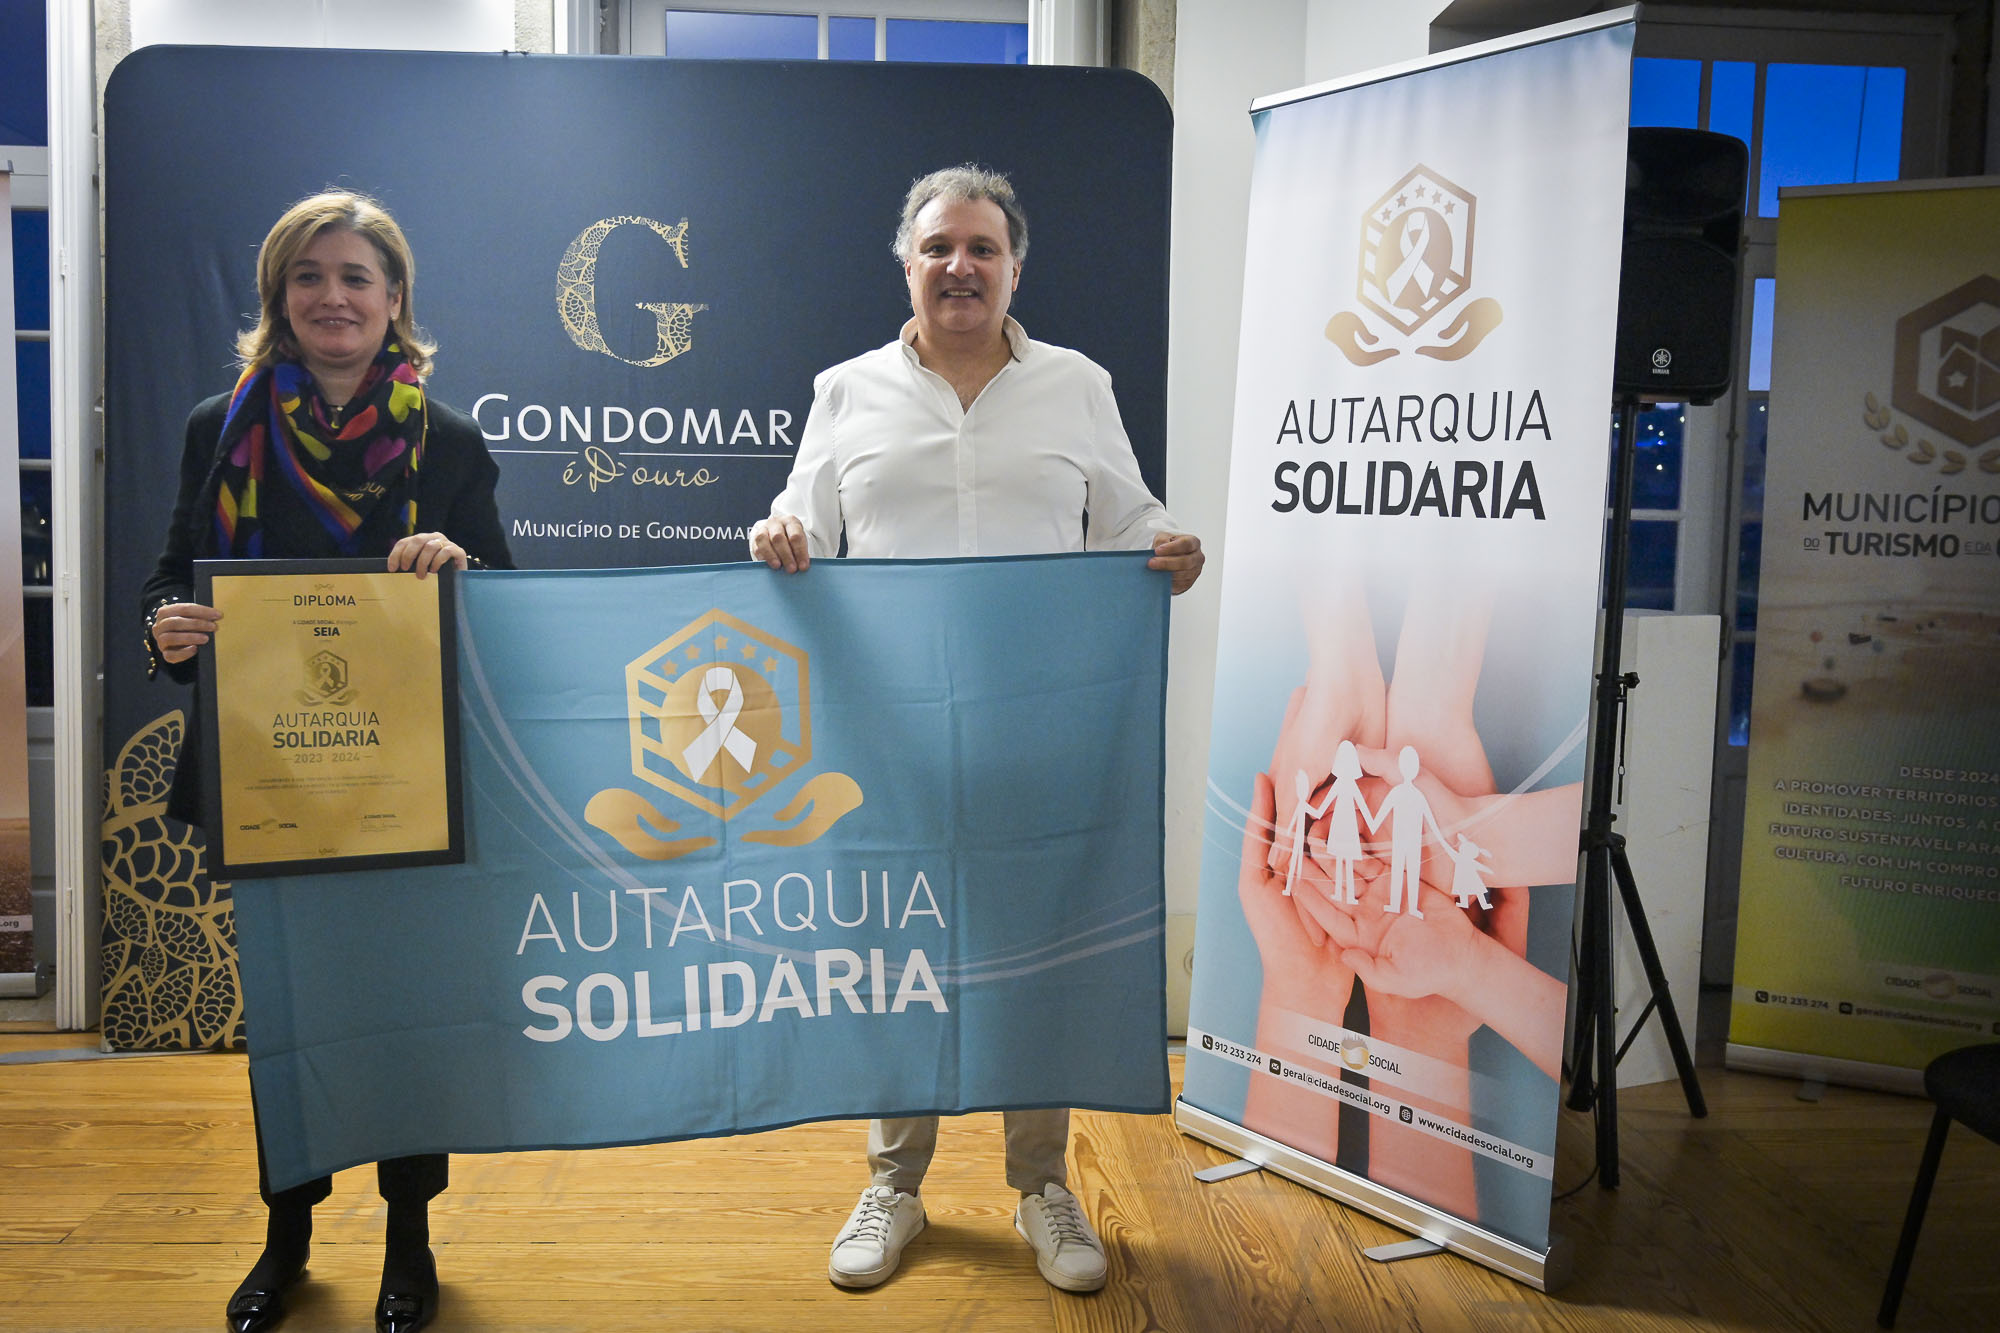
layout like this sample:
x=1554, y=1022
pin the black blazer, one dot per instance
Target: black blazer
x=454, y=496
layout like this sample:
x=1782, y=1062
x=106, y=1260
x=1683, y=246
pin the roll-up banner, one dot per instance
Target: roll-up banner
x=1868, y=935
x=1417, y=499
x=633, y=269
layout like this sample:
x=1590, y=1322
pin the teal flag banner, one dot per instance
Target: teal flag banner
x=745, y=850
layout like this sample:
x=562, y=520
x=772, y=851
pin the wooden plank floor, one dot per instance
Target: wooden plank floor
x=127, y=1201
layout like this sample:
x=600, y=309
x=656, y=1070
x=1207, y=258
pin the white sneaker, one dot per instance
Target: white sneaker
x=882, y=1223
x=1066, y=1250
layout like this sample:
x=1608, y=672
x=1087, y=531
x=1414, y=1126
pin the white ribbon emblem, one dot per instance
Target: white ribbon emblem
x=1413, y=269
x=720, y=734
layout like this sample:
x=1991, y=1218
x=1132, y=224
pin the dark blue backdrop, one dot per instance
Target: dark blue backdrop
x=789, y=176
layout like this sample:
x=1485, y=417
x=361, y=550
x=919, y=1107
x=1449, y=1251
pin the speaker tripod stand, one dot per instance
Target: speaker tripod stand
x=1596, y=1044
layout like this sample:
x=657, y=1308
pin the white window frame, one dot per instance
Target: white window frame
x=76, y=454
x=576, y=27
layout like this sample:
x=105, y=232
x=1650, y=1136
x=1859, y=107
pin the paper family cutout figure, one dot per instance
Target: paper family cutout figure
x=1302, y=817
x=1408, y=815
x=1466, y=885
x=1343, y=834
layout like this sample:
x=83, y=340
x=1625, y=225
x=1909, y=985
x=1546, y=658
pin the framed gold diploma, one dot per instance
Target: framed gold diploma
x=330, y=717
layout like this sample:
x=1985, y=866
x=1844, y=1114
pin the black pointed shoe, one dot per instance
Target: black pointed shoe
x=406, y=1305
x=258, y=1308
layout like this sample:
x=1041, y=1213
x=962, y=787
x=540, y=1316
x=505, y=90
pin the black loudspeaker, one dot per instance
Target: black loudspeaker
x=1677, y=283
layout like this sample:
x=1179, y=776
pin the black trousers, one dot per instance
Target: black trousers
x=402, y=1180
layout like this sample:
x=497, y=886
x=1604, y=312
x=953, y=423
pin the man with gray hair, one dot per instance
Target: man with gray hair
x=966, y=437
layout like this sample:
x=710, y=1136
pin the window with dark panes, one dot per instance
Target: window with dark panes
x=694, y=34
x=992, y=32
x=1820, y=124
x=1817, y=99
x=24, y=136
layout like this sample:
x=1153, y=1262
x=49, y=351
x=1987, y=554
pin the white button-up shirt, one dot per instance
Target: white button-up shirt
x=890, y=456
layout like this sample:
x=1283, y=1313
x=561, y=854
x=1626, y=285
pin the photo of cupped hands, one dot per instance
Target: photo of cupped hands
x=1379, y=853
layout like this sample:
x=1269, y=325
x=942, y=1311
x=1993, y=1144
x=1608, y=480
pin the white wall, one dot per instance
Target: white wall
x=1226, y=55
x=412, y=25
x=1349, y=36
x=1663, y=809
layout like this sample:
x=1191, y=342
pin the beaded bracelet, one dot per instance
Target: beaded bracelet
x=152, y=646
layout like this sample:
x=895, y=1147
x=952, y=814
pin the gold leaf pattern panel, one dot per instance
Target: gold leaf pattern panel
x=169, y=934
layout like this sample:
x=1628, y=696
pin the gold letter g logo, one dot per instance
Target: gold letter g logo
x=576, y=293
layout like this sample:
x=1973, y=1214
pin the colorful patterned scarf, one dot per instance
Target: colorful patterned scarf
x=343, y=470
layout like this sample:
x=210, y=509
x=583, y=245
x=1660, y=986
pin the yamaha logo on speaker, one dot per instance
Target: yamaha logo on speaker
x=1663, y=361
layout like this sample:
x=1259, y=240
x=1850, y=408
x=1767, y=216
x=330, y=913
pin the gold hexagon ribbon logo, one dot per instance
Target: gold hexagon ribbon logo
x=719, y=716
x=326, y=680
x=1415, y=264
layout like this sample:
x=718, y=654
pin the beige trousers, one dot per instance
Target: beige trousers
x=899, y=1151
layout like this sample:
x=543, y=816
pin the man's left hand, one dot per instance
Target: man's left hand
x=1180, y=554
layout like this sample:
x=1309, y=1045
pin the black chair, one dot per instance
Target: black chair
x=1965, y=1084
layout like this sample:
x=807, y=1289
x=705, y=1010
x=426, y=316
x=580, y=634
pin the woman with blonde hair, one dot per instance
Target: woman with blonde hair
x=328, y=447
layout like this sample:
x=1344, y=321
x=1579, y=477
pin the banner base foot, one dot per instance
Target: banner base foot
x=1208, y=1175
x=1544, y=1270
x=1403, y=1249
x=23, y=985
x=1824, y=1068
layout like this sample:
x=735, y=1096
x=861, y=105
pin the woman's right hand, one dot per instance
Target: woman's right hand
x=179, y=628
